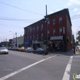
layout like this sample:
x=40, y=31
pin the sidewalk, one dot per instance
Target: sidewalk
x=77, y=52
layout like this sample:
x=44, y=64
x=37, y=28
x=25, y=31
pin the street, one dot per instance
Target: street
x=28, y=66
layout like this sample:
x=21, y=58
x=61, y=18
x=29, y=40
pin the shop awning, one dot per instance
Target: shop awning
x=28, y=42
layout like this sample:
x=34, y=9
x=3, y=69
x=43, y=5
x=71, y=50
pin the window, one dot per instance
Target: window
x=48, y=32
x=54, y=21
x=42, y=27
x=48, y=22
x=30, y=29
x=60, y=20
x=41, y=35
x=37, y=28
x=54, y=32
x=61, y=31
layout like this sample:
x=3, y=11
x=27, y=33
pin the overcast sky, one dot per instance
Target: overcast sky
x=17, y=14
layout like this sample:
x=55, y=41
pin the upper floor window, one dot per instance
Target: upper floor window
x=54, y=32
x=61, y=31
x=48, y=22
x=48, y=32
x=54, y=21
x=42, y=27
x=60, y=20
x=30, y=29
x=37, y=28
x=41, y=35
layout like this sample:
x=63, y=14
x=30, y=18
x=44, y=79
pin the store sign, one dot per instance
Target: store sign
x=37, y=41
x=56, y=38
x=28, y=42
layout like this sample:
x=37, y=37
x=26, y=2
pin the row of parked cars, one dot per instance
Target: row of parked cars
x=30, y=49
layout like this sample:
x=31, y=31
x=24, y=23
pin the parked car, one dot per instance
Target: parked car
x=3, y=50
x=29, y=49
x=22, y=49
x=40, y=51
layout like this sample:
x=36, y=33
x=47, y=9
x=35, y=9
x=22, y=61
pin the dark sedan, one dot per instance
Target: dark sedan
x=40, y=51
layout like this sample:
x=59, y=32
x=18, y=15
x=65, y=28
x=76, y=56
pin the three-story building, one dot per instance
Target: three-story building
x=55, y=31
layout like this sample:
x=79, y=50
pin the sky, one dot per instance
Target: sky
x=17, y=14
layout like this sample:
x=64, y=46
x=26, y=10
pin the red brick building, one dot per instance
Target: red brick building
x=57, y=29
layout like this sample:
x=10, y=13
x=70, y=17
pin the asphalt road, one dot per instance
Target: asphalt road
x=29, y=66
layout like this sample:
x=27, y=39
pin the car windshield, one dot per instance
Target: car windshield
x=29, y=48
x=39, y=49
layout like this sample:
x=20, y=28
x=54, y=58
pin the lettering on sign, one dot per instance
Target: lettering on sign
x=56, y=38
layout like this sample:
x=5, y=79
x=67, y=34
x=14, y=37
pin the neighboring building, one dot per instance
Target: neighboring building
x=20, y=41
x=57, y=29
x=17, y=42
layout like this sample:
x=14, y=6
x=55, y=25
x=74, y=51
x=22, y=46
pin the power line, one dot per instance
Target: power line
x=12, y=19
x=10, y=25
x=20, y=8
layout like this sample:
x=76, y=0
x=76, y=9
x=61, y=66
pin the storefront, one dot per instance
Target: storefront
x=58, y=43
x=37, y=43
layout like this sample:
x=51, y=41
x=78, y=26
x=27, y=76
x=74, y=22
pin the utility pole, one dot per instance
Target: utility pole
x=46, y=20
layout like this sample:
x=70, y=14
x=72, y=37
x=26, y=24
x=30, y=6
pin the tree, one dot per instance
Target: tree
x=78, y=37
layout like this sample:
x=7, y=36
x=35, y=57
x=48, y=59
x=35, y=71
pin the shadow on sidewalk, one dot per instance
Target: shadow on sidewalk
x=67, y=53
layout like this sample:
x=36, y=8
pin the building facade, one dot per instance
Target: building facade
x=53, y=30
